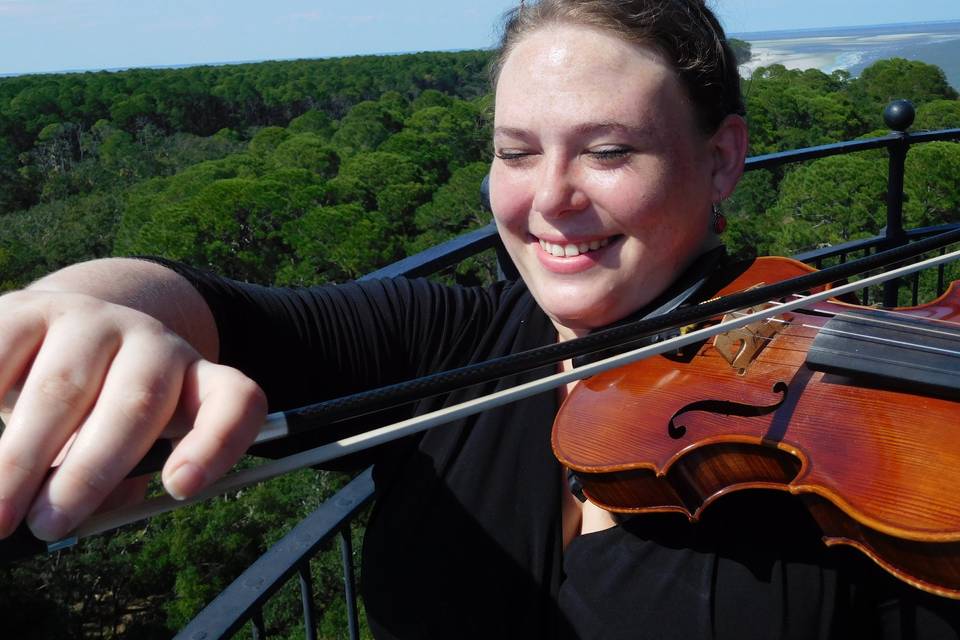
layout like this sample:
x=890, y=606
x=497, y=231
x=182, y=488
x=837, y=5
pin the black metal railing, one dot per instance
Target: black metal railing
x=243, y=600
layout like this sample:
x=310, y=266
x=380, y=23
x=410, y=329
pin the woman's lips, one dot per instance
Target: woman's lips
x=570, y=257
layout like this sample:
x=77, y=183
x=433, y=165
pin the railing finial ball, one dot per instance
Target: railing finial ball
x=899, y=115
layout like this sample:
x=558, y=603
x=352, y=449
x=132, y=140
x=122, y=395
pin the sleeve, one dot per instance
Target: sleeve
x=305, y=345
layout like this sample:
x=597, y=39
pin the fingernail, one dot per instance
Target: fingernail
x=49, y=523
x=185, y=481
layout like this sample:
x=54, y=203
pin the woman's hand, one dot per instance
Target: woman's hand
x=91, y=384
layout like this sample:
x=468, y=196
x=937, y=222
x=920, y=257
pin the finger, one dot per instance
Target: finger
x=230, y=409
x=20, y=337
x=8, y=400
x=135, y=402
x=61, y=387
x=21, y=332
x=128, y=492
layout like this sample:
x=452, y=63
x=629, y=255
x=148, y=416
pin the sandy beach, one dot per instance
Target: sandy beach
x=849, y=51
x=770, y=52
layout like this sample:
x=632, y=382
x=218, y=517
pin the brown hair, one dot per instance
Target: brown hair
x=685, y=32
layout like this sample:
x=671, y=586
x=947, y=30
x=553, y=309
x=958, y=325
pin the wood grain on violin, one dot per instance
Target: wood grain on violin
x=876, y=461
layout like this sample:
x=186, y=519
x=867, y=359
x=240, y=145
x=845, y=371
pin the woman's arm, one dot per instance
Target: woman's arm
x=145, y=286
x=108, y=355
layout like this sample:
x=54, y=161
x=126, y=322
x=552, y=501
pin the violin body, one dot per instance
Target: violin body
x=877, y=465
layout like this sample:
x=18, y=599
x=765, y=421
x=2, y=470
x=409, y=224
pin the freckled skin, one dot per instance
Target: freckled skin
x=596, y=138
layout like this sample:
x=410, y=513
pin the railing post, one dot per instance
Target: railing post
x=306, y=596
x=346, y=556
x=259, y=629
x=898, y=115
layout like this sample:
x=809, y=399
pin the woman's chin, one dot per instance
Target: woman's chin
x=577, y=320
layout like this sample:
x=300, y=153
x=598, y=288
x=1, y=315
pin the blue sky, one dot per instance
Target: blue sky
x=52, y=35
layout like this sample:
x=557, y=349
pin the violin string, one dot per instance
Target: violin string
x=936, y=369
x=928, y=331
x=882, y=311
x=863, y=336
x=891, y=312
x=898, y=323
x=866, y=336
x=743, y=314
x=890, y=341
x=955, y=334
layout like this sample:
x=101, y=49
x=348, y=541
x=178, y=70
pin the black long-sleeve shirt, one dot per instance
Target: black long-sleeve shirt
x=465, y=539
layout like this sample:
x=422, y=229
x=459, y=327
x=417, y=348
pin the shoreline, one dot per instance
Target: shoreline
x=855, y=51
x=767, y=56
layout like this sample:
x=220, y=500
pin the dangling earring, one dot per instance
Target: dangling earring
x=719, y=221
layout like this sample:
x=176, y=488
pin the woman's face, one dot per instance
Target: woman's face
x=602, y=185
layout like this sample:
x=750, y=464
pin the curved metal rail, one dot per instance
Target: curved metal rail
x=243, y=600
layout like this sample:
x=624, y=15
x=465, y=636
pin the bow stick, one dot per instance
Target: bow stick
x=337, y=409
x=101, y=523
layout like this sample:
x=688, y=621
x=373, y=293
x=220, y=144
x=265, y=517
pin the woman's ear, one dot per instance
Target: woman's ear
x=729, y=148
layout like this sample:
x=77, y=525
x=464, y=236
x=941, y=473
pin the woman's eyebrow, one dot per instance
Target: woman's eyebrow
x=584, y=130
x=599, y=128
x=512, y=132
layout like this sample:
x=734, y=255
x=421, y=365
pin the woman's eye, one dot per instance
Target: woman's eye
x=610, y=153
x=511, y=155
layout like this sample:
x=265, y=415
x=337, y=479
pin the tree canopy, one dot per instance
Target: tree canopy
x=306, y=172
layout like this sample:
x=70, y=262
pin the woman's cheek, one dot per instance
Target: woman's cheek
x=507, y=202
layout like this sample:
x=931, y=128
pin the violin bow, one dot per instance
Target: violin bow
x=373, y=400
x=314, y=416
x=107, y=521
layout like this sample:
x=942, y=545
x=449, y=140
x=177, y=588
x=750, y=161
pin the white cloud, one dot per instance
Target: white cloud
x=18, y=8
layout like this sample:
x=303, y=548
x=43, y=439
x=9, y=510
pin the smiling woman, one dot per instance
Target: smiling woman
x=618, y=128
x=598, y=146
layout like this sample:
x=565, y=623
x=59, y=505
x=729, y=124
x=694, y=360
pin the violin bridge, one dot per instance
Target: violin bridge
x=741, y=346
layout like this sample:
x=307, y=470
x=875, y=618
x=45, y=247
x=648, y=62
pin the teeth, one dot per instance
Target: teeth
x=571, y=250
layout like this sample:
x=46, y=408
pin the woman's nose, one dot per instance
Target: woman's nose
x=558, y=191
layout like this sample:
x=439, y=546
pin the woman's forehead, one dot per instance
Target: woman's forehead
x=560, y=44
x=566, y=72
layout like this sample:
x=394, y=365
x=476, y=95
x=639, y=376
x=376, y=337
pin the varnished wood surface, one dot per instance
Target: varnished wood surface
x=884, y=461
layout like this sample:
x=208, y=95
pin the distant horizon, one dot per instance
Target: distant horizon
x=188, y=65
x=741, y=34
x=74, y=36
x=746, y=35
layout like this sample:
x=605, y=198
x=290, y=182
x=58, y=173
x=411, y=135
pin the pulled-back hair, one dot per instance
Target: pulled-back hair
x=685, y=32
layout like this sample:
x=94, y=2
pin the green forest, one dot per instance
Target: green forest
x=314, y=171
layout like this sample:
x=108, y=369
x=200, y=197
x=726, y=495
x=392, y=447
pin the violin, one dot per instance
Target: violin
x=852, y=410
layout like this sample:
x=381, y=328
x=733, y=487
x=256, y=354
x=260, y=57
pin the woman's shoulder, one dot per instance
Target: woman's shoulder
x=492, y=296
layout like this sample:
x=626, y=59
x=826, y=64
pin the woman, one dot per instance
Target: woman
x=617, y=131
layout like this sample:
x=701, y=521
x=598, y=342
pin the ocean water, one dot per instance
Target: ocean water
x=856, y=48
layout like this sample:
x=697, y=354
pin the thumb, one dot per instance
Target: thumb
x=225, y=410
